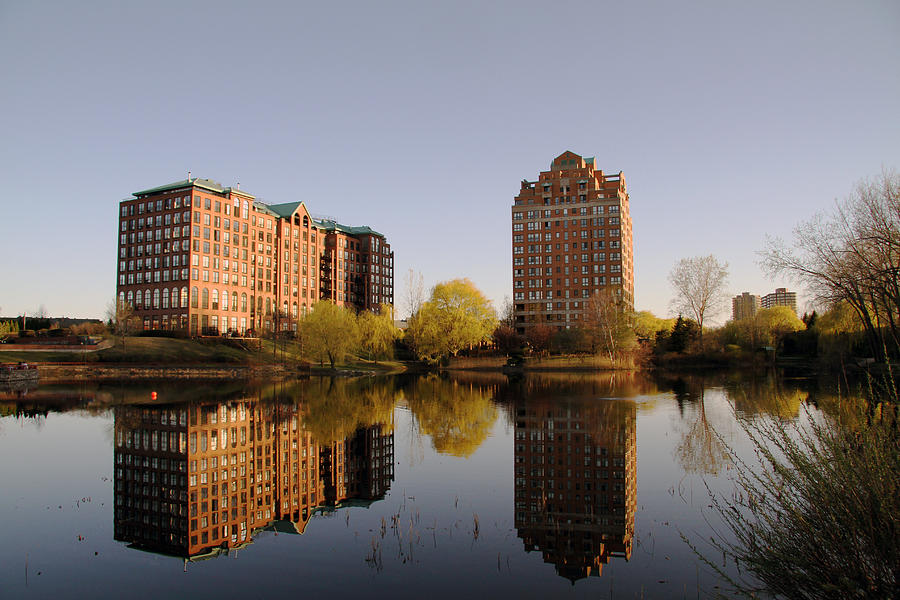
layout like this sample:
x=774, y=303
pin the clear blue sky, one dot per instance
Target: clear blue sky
x=730, y=121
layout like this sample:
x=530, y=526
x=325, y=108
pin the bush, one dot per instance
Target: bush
x=819, y=517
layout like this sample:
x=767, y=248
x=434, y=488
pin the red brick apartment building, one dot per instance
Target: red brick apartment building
x=571, y=237
x=196, y=256
x=193, y=480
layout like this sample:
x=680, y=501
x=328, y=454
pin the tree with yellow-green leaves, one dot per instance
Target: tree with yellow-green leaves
x=377, y=332
x=329, y=332
x=456, y=316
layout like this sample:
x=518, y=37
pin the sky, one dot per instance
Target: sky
x=731, y=121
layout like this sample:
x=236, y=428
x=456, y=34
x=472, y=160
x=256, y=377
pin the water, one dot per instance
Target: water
x=551, y=486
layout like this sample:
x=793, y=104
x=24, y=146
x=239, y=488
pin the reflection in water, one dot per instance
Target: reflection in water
x=458, y=416
x=197, y=479
x=575, y=481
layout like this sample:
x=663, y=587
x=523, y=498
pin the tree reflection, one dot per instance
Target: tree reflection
x=333, y=409
x=457, y=416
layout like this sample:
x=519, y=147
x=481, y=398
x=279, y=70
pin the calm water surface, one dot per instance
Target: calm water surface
x=548, y=486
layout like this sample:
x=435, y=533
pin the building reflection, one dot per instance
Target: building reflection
x=575, y=481
x=194, y=480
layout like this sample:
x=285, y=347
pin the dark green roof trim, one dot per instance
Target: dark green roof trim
x=329, y=225
x=206, y=184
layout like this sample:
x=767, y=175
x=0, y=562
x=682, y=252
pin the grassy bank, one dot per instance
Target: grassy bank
x=184, y=353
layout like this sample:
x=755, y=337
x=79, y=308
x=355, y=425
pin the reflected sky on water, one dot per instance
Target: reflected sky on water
x=550, y=485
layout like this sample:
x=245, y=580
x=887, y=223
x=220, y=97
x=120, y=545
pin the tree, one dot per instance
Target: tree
x=120, y=316
x=329, y=331
x=539, y=337
x=506, y=338
x=415, y=292
x=608, y=323
x=457, y=316
x=646, y=324
x=377, y=332
x=699, y=283
x=683, y=333
x=852, y=255
x=507, y=313
x=776, y=322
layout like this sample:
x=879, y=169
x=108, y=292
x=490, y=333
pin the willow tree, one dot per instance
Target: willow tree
x=377, y=332
x=329, y=332
x=456, y=316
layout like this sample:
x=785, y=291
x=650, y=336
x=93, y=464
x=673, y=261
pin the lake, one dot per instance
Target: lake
x=553, y=485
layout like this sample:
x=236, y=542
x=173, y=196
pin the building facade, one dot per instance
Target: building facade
x=576, y=482
x=571, y=239
x=744, y=306
x=194, y=480
x=780, y=297
x=197, y=256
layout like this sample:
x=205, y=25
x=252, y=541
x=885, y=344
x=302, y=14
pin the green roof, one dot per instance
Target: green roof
x=284, y=210
x=206, y=184
x=329, y=225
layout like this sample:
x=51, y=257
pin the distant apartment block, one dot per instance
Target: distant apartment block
x=744, y=306
x=571, y=238
x=208, y=259
x=780, y=297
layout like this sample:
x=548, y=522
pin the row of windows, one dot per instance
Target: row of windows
x=584, y=210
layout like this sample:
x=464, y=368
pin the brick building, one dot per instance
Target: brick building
x=571, y=238
x=195, y=479
x=780, y=297
x=576, y=481
x=197, y=256
x=744, y=306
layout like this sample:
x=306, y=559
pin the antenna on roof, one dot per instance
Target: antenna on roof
x=189, y=175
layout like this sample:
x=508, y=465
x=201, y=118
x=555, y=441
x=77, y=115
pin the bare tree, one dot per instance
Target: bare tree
x=699, y=283
x=415, y=292
x=852, y=254
x=507, y=313
x=120, y=315
x=608, y=322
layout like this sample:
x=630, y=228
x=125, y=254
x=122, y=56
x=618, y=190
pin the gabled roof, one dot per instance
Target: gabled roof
x=287, y=209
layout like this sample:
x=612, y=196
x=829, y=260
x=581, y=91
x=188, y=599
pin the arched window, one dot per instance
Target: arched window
x=130, y=298
x=303, y=308
x=268, y=306
x=139, y=299
x=204, y=298
x=245, y=210
x=184, y=297
x=165, y=298
x=215, y=299
x=243, y=302
x=294, y=310
x=175, y=297
x=305, y=221
x=121, y=298
x=234, y=304
x=156, y=298
x=195, y=296
x=224, y=300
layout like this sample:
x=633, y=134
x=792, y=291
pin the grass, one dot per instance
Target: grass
x=149, y=350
